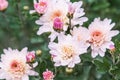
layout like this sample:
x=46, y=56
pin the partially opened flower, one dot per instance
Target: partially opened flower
x=48, y=75
x=40, y=6
x=54, y=19
x=76, y=13
x=30, y=57
x=3, y=4
x=13, y=65
x=101, y=35
x=66, y=52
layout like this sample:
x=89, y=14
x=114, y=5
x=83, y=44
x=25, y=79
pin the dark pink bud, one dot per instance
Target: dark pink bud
x=58, y=24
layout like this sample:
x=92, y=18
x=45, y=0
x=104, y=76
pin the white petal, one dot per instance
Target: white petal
x=77, y=60
x=34, y=1
x=71, y=65
x=24, y=50
x=113, y=33
x=57, y=64
x=101, y=53
x=43, y=29
x=35, y=64
x=2, y=74
x=32, y=11
x=94, y=54
x=25, y=77
x=53, y=35
x=32, y=73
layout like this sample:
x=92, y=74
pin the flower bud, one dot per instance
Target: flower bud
x=69, y=70
x=112, y=48
x=26, y=7
x=38, y=52
x=58, y=24
x=30, y=57
x=71, y=9
x=3, y=5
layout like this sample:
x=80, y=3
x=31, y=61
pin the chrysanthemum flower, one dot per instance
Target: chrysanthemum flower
x=101, y=35
x=40, y=6
x=48, y=75
x=3, y=4
x=54, y=18
x=66, y=52
x=13, y=65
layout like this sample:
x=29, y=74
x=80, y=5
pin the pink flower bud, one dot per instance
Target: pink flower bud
x=3, y=5
x=58, y=24
x=30, y=57
x=48, y=75
x=41, y=6
x=112, y=47
x=71, y=9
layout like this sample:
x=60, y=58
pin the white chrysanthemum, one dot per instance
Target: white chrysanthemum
x=58, y=9
x=77, y=12
x=13, y=65
x=101, y=35
x=81, y=34
x=66, y=52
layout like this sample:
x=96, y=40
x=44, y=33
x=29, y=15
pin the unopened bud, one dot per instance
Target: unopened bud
x=58, y=24
x=69, y=70
x=38, y=52
x=112, y=48
x=26, y=7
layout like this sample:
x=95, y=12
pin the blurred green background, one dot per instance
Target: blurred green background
x=18, y=30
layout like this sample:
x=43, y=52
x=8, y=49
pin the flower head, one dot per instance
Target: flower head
x=48, y=75
x=54, y=18
x=3, y=4
x=66, y=53
x=40, y=6
x=13, y=65
x=101, y=35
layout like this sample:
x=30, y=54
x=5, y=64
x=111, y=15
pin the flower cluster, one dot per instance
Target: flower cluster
x=68, y=38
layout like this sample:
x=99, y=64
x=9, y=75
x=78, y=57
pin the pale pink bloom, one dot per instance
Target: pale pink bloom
x=101, y=35
x=13, y=65
x=49, y=21
x=40, y=6
x=77, y=12
x=3, y=4
x=48, y=75
x=30, y=57
x=66, y=52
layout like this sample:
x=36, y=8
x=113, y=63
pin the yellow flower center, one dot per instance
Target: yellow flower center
x=68, y=52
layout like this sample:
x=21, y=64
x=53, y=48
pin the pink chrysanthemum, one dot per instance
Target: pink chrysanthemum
x=48, y=75
x=101, y=35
